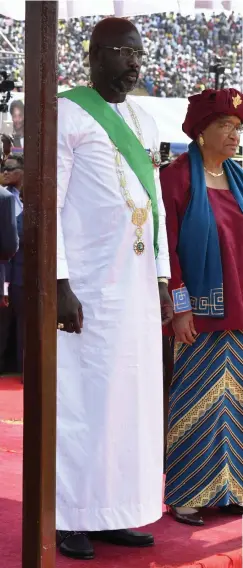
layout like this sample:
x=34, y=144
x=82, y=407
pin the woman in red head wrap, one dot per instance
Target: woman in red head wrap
x=203, y=197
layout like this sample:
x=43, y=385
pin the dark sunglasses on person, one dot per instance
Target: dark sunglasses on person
x=11, y=168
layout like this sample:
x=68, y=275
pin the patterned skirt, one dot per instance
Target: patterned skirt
x=205, y=431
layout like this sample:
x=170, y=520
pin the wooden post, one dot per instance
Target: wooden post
x=40, y=286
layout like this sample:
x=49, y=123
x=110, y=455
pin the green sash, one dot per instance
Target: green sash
x=124, y=139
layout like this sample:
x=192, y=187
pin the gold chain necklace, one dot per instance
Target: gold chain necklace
x=213, y=174
x=139, y=215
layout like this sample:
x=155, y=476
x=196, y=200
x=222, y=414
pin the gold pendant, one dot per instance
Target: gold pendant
x=139, y=247
x=139, y=217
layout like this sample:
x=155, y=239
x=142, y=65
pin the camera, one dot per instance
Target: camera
x=218, y=68
x=164, y=154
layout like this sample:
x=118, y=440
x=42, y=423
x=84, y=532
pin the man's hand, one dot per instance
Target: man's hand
x=166, y=304
x=69, y=309
x=183, y=325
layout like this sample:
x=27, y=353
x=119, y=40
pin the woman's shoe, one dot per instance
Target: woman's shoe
x=193, y=519
x=232, y=509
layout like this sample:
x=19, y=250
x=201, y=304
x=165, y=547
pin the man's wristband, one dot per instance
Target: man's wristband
x=163, y=280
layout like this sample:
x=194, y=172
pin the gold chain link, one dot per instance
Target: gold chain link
x=119, y=168
x=139, y=215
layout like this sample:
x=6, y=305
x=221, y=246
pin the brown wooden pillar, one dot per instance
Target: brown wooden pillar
x=40, y=285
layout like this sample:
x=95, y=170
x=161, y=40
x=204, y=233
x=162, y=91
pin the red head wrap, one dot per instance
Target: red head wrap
x=206, y=107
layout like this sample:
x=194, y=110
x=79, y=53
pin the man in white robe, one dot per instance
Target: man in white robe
x=109, y=390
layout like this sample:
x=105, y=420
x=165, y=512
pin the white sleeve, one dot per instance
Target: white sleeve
x=163, y=259
x=66, y=142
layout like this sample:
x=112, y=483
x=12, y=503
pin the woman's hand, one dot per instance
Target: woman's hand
x=183, y=325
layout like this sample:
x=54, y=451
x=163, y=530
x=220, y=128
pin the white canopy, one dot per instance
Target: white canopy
x=15, y=9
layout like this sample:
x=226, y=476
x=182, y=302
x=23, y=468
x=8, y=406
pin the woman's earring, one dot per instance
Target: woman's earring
x=201, y=140
x=90, y=84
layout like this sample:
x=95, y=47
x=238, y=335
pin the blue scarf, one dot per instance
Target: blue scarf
x=198, y=247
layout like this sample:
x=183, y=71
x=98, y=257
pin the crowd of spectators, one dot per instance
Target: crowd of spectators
x=179, y=50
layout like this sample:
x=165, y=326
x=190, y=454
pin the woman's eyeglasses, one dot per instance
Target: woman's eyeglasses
x=228, y=128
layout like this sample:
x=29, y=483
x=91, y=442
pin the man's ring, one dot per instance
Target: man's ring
x=60, y=326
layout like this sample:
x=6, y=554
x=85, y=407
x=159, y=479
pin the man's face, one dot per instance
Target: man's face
x=18, y=119
x=121, y=59
x=13, y=173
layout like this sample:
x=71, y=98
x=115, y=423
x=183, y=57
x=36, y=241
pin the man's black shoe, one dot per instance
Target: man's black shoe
x=124, y=537
x=75, y=544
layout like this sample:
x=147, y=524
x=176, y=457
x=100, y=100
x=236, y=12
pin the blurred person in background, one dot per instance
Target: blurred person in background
x=203, y=196
x=8, y=247
x=7, y=144
x=13, y=178
x=15, y=277
x=13, y=172
x=17, y=112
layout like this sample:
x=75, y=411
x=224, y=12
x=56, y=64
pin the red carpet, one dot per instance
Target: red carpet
x=217, y=545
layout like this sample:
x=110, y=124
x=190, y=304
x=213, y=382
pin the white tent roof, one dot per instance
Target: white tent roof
x=15, y=9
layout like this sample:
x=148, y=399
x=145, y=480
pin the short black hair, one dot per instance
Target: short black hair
x=19, y=158
x=16, y=104
x=110, y=27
